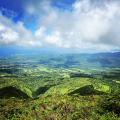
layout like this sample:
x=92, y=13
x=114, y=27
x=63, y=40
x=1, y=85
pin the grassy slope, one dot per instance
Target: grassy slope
x=55, y=101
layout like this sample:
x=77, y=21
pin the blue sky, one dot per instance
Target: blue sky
x=78, y=25
x=16, y=10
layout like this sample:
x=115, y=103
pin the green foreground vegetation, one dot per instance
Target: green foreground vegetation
x=32, y=89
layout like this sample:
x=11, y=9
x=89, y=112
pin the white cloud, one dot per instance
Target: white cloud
x=88, y=26
x=16, y=33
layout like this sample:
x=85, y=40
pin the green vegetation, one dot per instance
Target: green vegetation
x=59, y=88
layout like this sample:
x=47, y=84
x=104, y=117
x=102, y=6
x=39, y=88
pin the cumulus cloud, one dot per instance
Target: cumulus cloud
x=88, y=25
x=15, y=33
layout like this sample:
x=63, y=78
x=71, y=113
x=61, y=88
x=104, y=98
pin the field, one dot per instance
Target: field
x=60, y=87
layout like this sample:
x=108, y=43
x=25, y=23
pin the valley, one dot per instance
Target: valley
x=55, y=87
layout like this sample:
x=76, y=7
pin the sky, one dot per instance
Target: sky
x=75, y=25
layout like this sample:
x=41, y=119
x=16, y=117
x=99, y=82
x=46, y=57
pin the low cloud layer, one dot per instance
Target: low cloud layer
x=86, y=26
